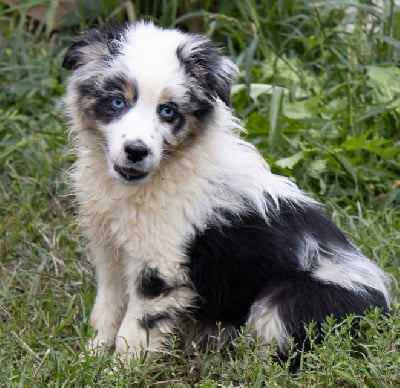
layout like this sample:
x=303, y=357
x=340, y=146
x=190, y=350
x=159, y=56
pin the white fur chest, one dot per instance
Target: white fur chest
x=149, y=230
x=151, y=222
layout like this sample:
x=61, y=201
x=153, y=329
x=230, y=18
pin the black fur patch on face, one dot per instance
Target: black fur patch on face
x=176, y=120
x=98, y=96
x=149, y=321
x=203, y=62
x=97, y=43
x=150, y=284
x=198, y=107
x=179, y=124
x=119, y=83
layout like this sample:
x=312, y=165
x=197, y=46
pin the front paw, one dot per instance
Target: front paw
x=133, y=340
x=126, y=351
x=99, y=345
x=105, y=322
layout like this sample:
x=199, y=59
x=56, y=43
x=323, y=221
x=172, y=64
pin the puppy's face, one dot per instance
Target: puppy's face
x=144, y=92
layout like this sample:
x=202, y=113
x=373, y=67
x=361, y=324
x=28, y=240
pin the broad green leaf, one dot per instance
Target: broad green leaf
x=392, y=41
x=317, y=167
x=379, y=146
x=301, y=110
x=256, y=90
x=385, y=82
x=336, y=108
x=290, y=161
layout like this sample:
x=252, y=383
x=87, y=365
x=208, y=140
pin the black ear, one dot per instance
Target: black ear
x=75, y=55
x=98, y=43
x=213, y=72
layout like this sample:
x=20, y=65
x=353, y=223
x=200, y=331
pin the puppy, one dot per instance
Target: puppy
x=185, y=221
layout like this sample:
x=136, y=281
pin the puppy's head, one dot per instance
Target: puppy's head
x=144, y=91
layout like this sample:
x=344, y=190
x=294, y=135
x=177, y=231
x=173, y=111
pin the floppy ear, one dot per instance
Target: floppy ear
x=214, y=72
x=98, y=43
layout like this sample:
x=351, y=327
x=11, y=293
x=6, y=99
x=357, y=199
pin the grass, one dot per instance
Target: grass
x=320, y=102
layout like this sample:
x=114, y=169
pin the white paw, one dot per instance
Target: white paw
x=130, y=340
x=105, y=325
x=133, y=340
x=125, y=351
x=97, y=345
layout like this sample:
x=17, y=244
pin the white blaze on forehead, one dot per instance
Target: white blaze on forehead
x=149, y=54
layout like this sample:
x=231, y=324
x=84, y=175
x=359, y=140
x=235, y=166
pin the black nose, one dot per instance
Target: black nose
x=136, y=152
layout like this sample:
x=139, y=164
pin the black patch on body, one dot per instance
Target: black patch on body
x=301, y=299
x=151, y=284
x=231, y=266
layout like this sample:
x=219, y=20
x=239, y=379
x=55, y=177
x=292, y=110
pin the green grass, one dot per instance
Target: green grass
x=321, y=104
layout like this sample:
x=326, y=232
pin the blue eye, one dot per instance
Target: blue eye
x=168, y=113
x=117, y=103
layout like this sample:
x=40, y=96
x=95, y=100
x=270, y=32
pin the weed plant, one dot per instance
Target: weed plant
x=319, y=95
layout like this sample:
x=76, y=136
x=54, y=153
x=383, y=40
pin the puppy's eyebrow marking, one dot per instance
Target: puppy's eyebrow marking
x=123, y=84
x=177, y=96
x=166, y=95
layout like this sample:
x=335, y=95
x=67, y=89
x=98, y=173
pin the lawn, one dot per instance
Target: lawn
x=319, y=94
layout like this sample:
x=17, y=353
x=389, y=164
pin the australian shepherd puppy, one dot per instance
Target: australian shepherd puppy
x=184, y=219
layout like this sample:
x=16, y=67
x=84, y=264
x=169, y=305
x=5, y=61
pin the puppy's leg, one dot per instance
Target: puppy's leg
x=111, y=298
x=290, y=304
x=156, y=302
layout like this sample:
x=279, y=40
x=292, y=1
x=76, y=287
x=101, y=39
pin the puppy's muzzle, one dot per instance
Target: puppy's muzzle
x=135, y=168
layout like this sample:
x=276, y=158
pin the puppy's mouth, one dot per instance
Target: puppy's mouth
x=130, y=174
